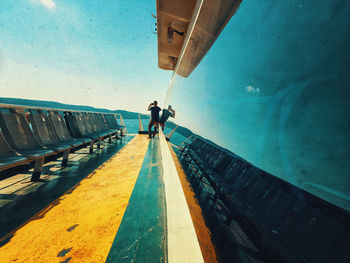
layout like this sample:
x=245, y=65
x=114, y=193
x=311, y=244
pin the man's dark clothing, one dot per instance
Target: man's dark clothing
x=165, y=116
x=155, y=113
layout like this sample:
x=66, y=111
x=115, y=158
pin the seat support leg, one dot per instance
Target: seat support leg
x=109, y=138
x=98, y=143
x=38, y=167
x=65, y=157
x=91, y=147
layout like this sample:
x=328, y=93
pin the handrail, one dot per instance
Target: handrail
x=180, y=229
x=122, y=122
x=172, y=132
x=47, y=108
x=140, y=123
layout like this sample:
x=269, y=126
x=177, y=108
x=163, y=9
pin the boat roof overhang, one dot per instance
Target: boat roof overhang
x=187, y=29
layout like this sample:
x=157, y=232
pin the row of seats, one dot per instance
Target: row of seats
x=286, y=223
x=31, y=135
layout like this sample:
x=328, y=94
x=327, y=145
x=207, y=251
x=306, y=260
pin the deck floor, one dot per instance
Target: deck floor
x=109, y=206
x=141, y=235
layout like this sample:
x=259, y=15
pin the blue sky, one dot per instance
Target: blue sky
x=98, y=53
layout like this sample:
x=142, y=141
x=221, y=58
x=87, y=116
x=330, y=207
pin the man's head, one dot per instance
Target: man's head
x=155, y=103
x=169, y=107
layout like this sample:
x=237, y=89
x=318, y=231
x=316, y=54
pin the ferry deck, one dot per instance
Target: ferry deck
x=76, y=186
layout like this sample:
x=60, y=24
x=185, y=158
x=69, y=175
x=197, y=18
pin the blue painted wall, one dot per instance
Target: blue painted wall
x=275, y=89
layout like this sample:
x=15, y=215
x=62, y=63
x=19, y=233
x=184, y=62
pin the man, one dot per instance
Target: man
x=165, y=116
x=154, y=118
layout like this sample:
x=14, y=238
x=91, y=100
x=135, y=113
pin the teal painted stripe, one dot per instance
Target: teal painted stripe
x=141, y=234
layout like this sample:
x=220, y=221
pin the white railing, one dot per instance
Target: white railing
x=183, y=245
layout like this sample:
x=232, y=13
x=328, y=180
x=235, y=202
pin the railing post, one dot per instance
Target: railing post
x=167, y=137
x=140, y=124
x=123, y=123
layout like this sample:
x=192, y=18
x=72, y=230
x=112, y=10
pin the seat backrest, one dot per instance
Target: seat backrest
x=73, y=125
x=204, y=150
x=101, y=122
x=107, y=121
x=42, y=127
x=87, y=122
x=92, y=118
x=221, y=164
x=59, y=125
x=17, y=131
x=80, y=120
x=196, y=144
x=111, y=121
x=5, y=149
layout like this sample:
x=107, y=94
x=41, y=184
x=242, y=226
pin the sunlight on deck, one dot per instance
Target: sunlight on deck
x=80, y=226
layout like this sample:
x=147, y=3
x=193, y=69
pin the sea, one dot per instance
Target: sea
x=132, y=126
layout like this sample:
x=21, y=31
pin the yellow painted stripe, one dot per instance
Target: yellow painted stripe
x=202, y=231
x=81, y=224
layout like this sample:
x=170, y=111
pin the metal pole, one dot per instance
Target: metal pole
x=140, y=124
x=171, y=133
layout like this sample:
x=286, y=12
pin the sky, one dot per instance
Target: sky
x=96, y=53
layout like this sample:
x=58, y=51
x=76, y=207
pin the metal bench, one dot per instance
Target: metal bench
x=8, y=157
x=21, y=138
x=30, y=137
x=102, y=127
x=77, y=128
x=46, y=135
x=112, y=123
x=85, y=124
x=93, y=127
x=61, y=129
x=285, y=223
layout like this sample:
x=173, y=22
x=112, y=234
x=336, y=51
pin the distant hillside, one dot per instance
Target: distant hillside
x=182, y=130
x=57, y=105
x=131, y=115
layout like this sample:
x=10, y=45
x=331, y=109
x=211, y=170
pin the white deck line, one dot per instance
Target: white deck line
x=183, y=245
